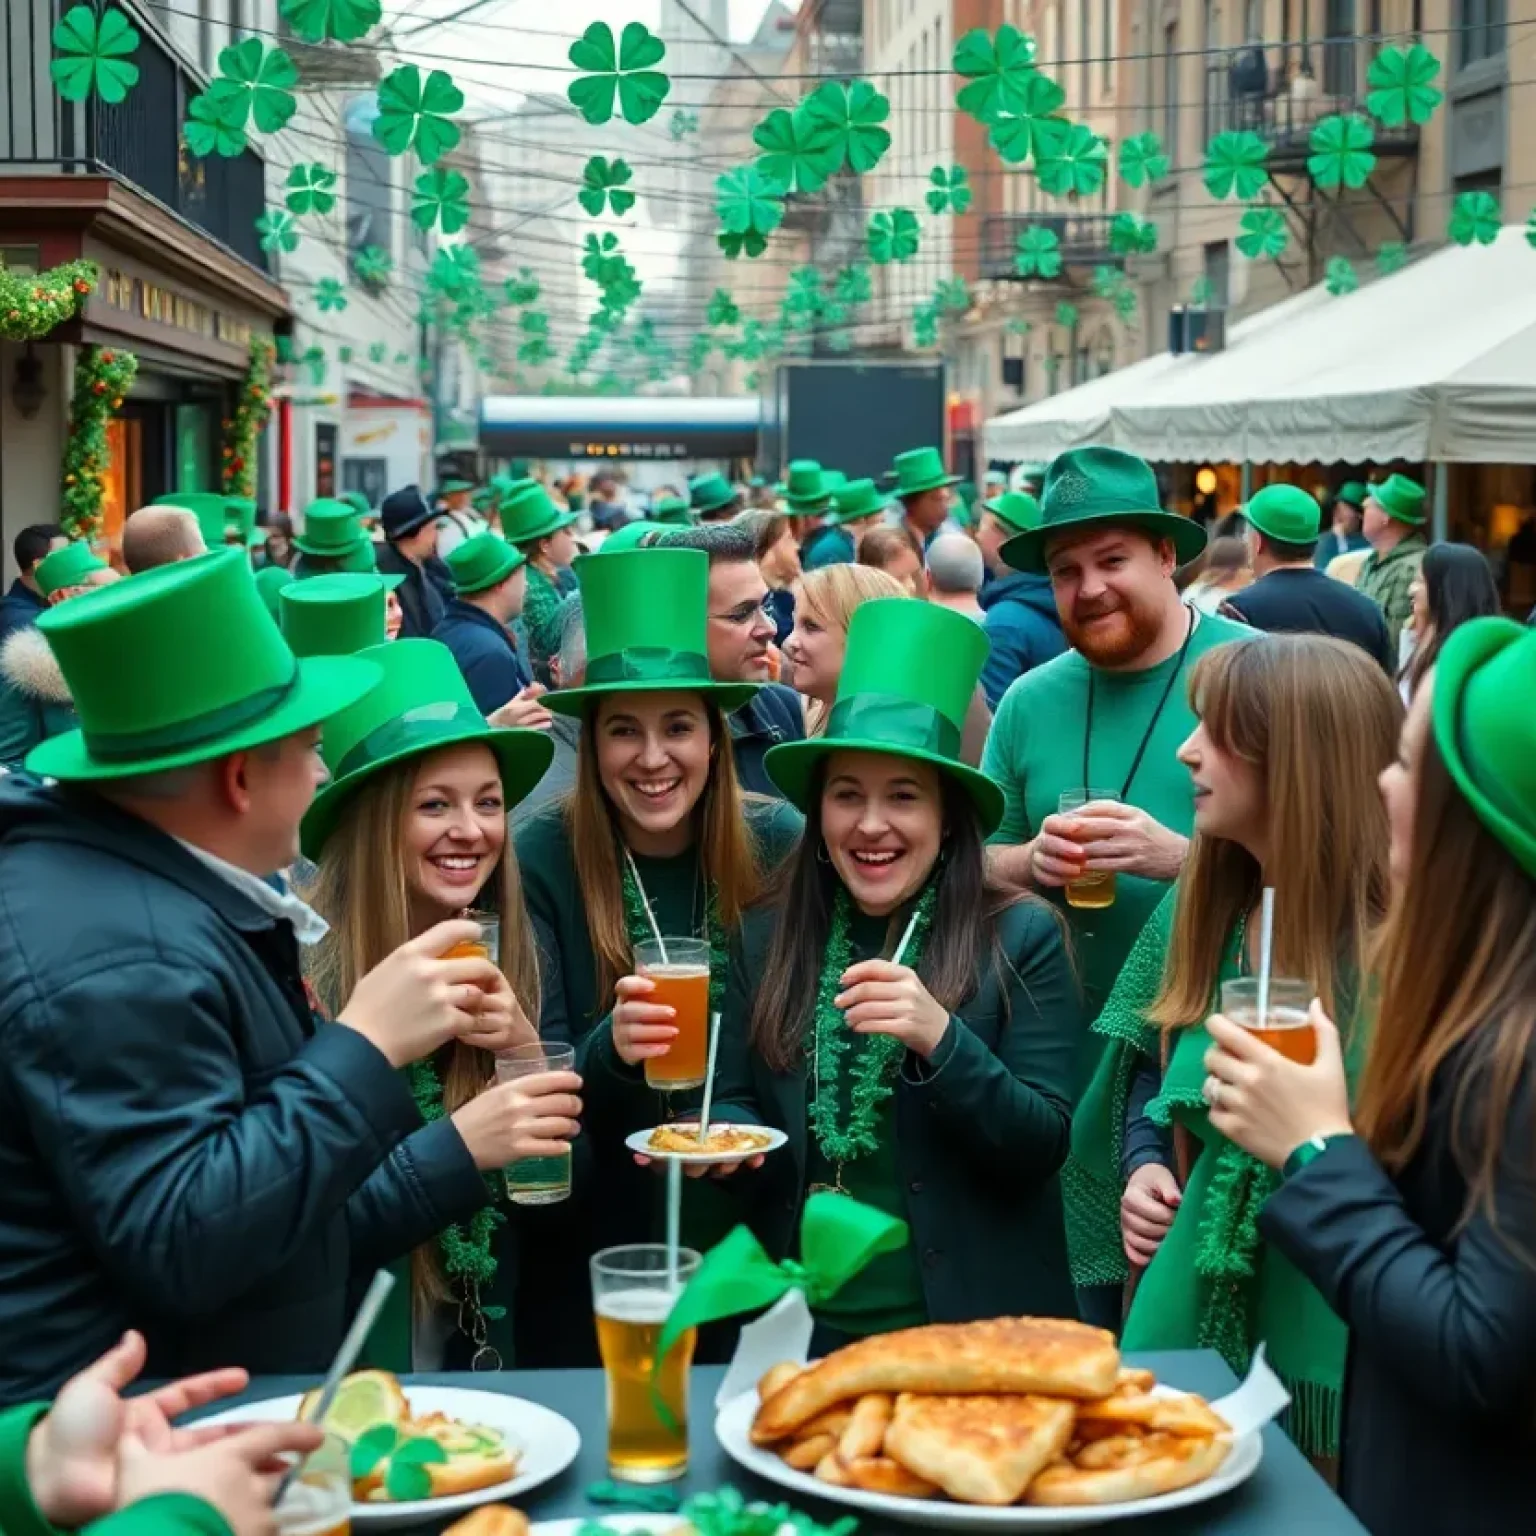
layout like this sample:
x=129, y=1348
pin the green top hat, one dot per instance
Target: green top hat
x=710, y=493
x=1017, y=510
x=1352, y=491
x=919, y=470
x=207, y=507
x=240, y=520
x=332, y=529
x=1286, y=513
x=909, y=674
x=270, y=582
x=672, y=511
x=237, y=686
x=855, y=499
x=421, y=705
x=646, y=616
x=805, y=487
x=481, y=562
x=1485, y=678
x=358, y=502
x=1090, y=488
x=336, y=615
x=527, y=513
x=633, y=536
x=70, y=565
x=1400, y=498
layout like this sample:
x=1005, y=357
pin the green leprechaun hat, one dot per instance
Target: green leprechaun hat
x=1400, y=498
x=855, y=499
x=271, y=582
x=1285, y=513
x=528, y=513
x=710, y=493
x=206, y=506
x=482, y=562
x=1095, y=488
x=336, y=615
x=240, y=522
x=70, y=565
x=421, y=705
x=636, y=535
x=1352, y=493
x=672, y=510
x=236, y=687
x=646, y=616
x=918, y=470
x=805, y=487
x=454, y=485
x=909, y=675
x=334, y=531
x=358, y=502
x=1015, y=510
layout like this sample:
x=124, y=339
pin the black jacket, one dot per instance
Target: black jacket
x=421, y=601
x=486, y=653
x=19, y=608
x=1306, y=602
x=773, y=714
x=1439, y=1433
x=184, y=1148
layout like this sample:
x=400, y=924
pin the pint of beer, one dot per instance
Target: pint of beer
x=632, y=1293
x=680, y=969
x=1094, y=888
x=318, y=1502
x=1285, y=1026
x=486, y=947
x=537, y=1180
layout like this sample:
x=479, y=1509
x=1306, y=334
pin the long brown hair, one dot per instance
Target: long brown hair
x=728, y=857
x=360, y=890
x=1318, y=720
x=1456, y=970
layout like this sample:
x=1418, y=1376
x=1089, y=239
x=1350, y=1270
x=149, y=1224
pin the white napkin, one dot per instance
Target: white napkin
x=782, y=1333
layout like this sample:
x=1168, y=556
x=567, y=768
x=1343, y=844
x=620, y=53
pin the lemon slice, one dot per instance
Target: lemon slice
x=363, y=1400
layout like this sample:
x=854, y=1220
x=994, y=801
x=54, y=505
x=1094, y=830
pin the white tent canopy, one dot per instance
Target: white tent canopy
x=1436, y=363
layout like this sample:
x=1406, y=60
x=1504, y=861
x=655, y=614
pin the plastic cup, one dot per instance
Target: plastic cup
x=1094, y=888
x=537, y=1180
x=1287, y=1026
x=680, y=969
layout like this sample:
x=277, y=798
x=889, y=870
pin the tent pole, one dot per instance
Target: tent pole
x=1245, y=483
x=1440, y=512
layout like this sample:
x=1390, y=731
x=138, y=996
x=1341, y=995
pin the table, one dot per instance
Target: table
x=1284, y=1496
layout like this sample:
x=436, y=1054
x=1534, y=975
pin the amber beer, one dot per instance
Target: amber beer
x=486, y=947
x=318, y=1502
x=680, y=969
x=632, y=1293
x=1093, y=889
x=1286, y=1026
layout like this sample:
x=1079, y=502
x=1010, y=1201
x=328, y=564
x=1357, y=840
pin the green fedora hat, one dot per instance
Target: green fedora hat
x=271, y=581
x=710, y=493
x=1485, y=728
x=855, y=499
x=1017, y=510
x=805, y=487
x=918, y=470
x=70, y=565
x=336, y=615
x=671, y=511
x=646, y=616
x=208, y=507
x=909, y=675
x=634, y=536
x=182, y=703
x=481, y=562
x=1286, y=513
x=1352, y=492
x=528, y=513
x=1089, y=488
x=332, y=529
x=421, y=704
x=1400, y=498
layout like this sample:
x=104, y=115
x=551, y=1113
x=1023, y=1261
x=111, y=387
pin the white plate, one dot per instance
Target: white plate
x=641, y=1142
x=734, y=1423
x=547, y=1442
x=625, y=1525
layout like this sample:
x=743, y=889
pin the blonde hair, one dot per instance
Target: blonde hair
x=829, y=596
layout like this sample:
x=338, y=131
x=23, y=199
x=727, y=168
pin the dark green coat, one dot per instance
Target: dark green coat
x=34, y=698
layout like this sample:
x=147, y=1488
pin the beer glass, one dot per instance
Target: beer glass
x=1286, y=1027
x=632, y=1293
x=318, y=1501
x=486, y=947
x=680, y=969
x=537, y=1180
x=1094, y=888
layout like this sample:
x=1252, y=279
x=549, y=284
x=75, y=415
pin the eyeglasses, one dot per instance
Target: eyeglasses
x=744, y=614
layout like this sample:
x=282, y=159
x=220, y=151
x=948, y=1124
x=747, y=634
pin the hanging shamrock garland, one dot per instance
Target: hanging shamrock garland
x=892, y=235
x=254, y=87
x=1142, y=160
x=603, y=185
x=852, y=115
x=1038, y=253
x=1132, y=235
x=1066, y=314
x=1476, y=219
x=440, y=199
x=950, y=190
x=242, y=430
x=798, y=150
x=330, y=296
x=1340, y=277
x=1401, y=89
x=95, y=54
x=415, y=113
x=1392, y=257
x=1000, y=70
x=751, y=206
x=1262, y=233
x=277, y=230
x=1235, y=165
x=618, y=73
x=103, y=376
x=339, y=21
x=1341, y=152
x=522, y=289
x=373, y=266
x=33, y=303
x=311, y=189
x=723, y=310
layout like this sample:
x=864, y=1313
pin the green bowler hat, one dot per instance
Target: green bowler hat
x=710, y=493
x=646, y=616
x=919, y=470
x=1352, y=492
x=634, y=536
x=854, y=499
x=70, y=565
x=236, y=686
x=206, y=506
x=527, y=513
x=805, y=487
x=1485, y=679
x=421, y=705
x=336, y=615
x=481, y=562
x=909, y=674
x=1095, y=488
x=672, y=511
x=1286, y=513
x=1400, y=498
x=331, y=529
x=271, y=581
x=1017, y=510
x=453, y=486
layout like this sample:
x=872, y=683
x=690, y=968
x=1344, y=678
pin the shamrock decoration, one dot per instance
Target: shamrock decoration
x=378, y=352
x=1341, y=151
x=535, y=350
x=534, y=322
x=522, y=289
x=344, y=354
x=1392, y=257
x=441, y=197
x=1340, y=277
x=952, y=293
x=1066, y=314
x=1263, y=233
x=950, y=190
x=1234, y=165
x=892, y=236
x=1530, y=230
x=1201, y=291
x=1142, y=159
x=925, y=325
x=799, y=150
x=999, y=69
x=210, y=128
x=1017, y=135
x=311, y=189
x=1038, y=253
x=854, y=284
x=1132, y=235
x=413, y=114
x=748, y=244
x=330, y=296
x=341, y=21
x=683, y=123
x=373, y=266
x=852, y=115
x=1019, y=326
x=1124, y=300
x=1400, y=88
x=94, y=55
x=750, y=204
x=1475, y=219
x=255, y=83
x=723, y=309
x=276, y=228
x=618, y=72
x=602, y=181
x=1071, y=160
x=406, y=1476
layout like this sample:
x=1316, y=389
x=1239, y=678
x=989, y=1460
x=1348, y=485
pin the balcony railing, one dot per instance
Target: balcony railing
x=1083, y=240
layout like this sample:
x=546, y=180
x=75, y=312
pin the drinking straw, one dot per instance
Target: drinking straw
x=1266, y=949
x=645, y=901
x=674, y=1219
x=906, y=938
x=709, y=1077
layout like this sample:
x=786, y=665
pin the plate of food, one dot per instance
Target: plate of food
x=1017, y=1424
x=678, y=1141
x=423, y=1453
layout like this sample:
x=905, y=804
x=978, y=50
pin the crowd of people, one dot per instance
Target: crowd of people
x=980, y=807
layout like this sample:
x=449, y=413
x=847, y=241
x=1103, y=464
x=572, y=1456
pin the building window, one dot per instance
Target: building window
x=1480, y=31
x=369, y=189
x=1218, y=273
x=1171, y=91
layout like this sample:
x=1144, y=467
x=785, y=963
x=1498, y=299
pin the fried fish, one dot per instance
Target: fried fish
x=1124, y=1468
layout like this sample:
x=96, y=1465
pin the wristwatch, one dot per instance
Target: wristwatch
x=1313, y=1147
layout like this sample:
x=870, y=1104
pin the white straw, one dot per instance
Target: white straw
x=906, y=938
x=645, y=900
x=709, y=1077
x=1266, y=949
x=674, y=1219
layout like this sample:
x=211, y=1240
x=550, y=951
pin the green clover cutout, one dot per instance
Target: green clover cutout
x=683, y=123
x=344, y=354
x=1132, y=235
x=95, y=55
x=602, y=183
x=1038, y=253
x=1401, y=91
x=535, y=350
x=619, y=72
x=1201, y=291
x=330, y=296
x=1263, y=234
x=402, y=358
x=892, y=236
x=1106, y=280
x=407, y=1478
x=370, y=1448
x=951, y=293
x=340, y=21
x=949, y=190
x=698, y=351
x=1340, y=277
x=1234, y=165
x=854, y=285
x=1071, y=160
x=261, y=81
x=1019, y=326
x=723, y=309
x=215, y=123
x=1476, y=219
x=1017, y=135
x=441, y=197
x=534, y=322
x=749, y=244
x=1530, y=230
x=799, y=150
x=378, y=352
x=1392, y=257
x=1066, y=314
x=1341, y=151
x=852, y=114
x=311, y=189
x=748, y=202
x=522, y=289
x=414, y=113
x=598, y=249
x=374, y=266
x=925, y=325
x=997, y=68
x=1124, y=301
x=1142, y=160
